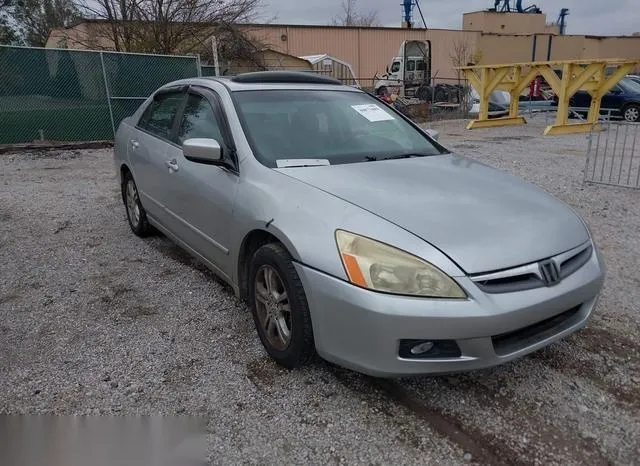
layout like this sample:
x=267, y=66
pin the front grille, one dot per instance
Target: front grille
x=511, y=342
x=522, y=282
x=527, y=277
x=572, y=264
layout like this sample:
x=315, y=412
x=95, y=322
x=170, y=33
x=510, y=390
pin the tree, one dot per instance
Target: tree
x=36, y=18
x=463, y=54
x=166, y=26
x=9, y=34
x=119, y=27
x=350, y=16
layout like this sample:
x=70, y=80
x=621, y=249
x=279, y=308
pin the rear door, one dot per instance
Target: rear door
x=202, y=195
x=148, y=146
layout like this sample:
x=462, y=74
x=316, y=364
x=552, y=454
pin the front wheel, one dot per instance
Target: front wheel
x=632, y=113
x=279, y=307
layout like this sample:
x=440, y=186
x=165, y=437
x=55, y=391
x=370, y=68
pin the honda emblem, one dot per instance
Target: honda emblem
x=549, y=272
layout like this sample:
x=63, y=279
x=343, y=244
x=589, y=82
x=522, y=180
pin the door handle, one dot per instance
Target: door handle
x=134, y=143
x=172, y=165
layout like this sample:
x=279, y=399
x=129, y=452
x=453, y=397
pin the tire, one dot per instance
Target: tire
x=631, y=113
x=424, y=93
x=269, y=306
x=441, y=95
x=136, y=215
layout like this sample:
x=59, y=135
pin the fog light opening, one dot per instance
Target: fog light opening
x=428, y=349
x=422, y=348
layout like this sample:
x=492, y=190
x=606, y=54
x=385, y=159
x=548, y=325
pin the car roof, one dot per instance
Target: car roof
x=270, y=80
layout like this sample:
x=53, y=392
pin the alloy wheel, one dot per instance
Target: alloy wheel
x=632, y=114
x=273, y=307
x=133, y=206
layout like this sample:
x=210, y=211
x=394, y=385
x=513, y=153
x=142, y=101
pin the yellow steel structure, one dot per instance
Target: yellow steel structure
x=597, y=77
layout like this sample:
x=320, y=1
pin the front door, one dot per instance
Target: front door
x=613, y=100
x=148, y=146
x=202, y=195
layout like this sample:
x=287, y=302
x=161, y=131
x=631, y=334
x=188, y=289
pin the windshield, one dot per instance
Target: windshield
x=630, y=86
x=337, y=126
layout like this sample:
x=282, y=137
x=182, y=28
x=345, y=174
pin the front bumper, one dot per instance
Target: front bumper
x=361, y=329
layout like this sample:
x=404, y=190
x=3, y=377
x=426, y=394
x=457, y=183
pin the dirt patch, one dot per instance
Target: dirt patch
x=263, y=372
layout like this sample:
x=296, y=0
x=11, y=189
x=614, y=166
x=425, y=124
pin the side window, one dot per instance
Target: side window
x=199, y=121
x=159, y=115
x=395, y=67
x=420, y=65
x=411, y=65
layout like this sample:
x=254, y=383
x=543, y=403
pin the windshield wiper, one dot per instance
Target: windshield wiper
x=373, y=158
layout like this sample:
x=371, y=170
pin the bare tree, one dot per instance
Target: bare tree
x=165, y=26
x=36, y=18
x=463, y=54
x=118, y=23
x=350, y=16
x=235, y=48
x=9, y=34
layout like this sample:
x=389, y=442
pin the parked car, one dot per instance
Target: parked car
x=499, y=102
x=623, y=99
x=349, y=231
x=634, y=77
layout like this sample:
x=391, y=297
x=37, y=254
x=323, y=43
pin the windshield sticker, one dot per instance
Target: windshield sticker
x=372, y=112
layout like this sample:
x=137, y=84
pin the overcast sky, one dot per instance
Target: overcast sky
x=595, y=17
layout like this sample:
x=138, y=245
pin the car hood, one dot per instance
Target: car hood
x=482, y=218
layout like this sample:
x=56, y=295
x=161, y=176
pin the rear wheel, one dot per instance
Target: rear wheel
x=279, y=307
x=136, y=214
x=632, y=113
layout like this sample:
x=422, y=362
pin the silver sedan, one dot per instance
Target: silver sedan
x=349, y=231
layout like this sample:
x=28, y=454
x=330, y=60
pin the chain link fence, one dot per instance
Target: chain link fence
x=76, y=95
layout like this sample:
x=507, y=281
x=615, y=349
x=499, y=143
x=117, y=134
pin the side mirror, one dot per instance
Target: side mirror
x=202, y=150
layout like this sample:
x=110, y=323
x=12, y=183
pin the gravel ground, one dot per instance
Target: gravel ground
x=94, y=320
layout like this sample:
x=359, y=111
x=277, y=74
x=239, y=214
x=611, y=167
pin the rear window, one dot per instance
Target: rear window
x=629, y=85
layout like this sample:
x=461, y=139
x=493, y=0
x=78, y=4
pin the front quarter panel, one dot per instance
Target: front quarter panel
x=305, y=219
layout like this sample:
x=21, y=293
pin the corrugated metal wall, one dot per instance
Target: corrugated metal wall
x=367, y=50
x=370, y=50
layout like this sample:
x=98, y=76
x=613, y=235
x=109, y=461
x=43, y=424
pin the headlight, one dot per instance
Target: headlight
x=380, y=267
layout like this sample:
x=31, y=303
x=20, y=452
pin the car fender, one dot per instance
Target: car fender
x=307, y=222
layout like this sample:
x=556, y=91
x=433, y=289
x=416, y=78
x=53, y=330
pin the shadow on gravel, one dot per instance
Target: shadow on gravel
x=168, y=248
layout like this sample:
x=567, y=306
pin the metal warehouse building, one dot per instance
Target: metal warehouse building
x=490, y=37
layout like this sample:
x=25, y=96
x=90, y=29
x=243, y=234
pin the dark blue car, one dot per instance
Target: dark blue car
x=624, y=99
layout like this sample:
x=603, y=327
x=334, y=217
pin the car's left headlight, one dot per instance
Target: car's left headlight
x=380, y=267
